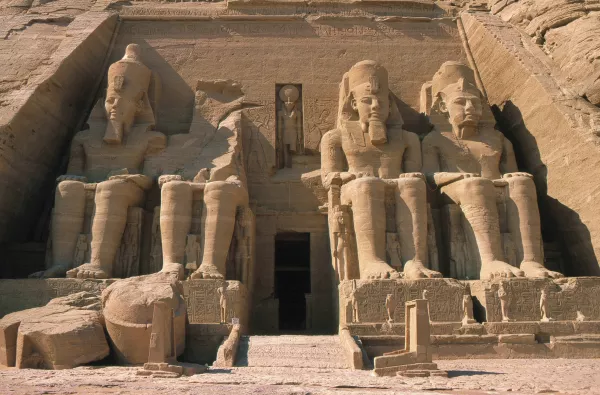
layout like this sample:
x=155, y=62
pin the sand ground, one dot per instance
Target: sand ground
x=472, y=377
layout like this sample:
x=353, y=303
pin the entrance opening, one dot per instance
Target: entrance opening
x=292, y=279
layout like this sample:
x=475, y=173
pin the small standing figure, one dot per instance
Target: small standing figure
x=289, y=125
x=467, y=305
x=340, y=231
x=390, y=305
x=504, y=303
x=354, y=303
x=544, y=307
x=425, y=292
x=222, y=304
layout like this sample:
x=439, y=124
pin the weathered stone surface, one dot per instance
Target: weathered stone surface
x=128, y=307
x=565, y=298
x=445, y=296
x=17, y=295
x=51, y=65
x=66, y=333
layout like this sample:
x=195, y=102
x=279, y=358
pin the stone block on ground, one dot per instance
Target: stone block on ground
x=128, y=310
x=66, y=333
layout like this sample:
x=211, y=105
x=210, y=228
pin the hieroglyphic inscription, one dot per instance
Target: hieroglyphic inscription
x=445, y=297
x=203, y=302
x=17, y=295
x=437, y=29
x=319, y=118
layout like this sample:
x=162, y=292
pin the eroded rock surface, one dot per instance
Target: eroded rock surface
x=66, y=333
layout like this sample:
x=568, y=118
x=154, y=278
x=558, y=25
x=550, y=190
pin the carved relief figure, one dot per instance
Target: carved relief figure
x=106, y=159
x=222, y=304
x=544, y=307
x=379, y=154
x=390, y=306
x=504, y=303
x=289, y=125
x=466, y=160
x=354, y=302
x=467, y=306
x=341, y=232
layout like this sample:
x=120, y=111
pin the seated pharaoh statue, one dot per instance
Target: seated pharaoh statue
x=203, y=171
x=106, y=160
x=473, y=166
x=365, y=156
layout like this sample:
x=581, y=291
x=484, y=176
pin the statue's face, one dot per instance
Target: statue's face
x=120, y=108
x=371, y=107
x=289, y=105
x=463, y=108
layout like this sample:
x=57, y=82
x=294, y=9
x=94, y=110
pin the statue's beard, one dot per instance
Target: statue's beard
x=114, y=132
x=377, y=131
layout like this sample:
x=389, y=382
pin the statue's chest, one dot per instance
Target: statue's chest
x=483, y=150
x=358, y=145
x=99, y=153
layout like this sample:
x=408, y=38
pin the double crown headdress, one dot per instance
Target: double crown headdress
x=373, y=78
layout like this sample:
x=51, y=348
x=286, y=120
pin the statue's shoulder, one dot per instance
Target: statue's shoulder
x=82, y=136
x=332, y=136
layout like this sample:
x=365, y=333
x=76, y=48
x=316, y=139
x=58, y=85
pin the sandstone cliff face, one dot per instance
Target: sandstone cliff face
x=569, y=33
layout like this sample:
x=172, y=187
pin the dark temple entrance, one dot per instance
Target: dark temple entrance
x=292, y=279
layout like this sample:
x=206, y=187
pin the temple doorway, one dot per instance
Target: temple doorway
x=292, y=279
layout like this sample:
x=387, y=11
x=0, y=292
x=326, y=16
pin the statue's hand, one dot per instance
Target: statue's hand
x=69, y=177
x=162, y=180
x=444, y=178
x=338, y=178
x=347, y=177
x=517, y=174
x=412, y=175
x=140, y=180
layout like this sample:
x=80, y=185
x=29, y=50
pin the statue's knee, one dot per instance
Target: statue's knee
x=233, y=191
x=412, y=183
x=70, y=189
x=477, y=186
x=176, y=188
x=368, y=186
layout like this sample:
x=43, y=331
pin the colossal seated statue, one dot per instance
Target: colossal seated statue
x=106, y=159
x=204, y=168
x=470, y=162
x=365, y=155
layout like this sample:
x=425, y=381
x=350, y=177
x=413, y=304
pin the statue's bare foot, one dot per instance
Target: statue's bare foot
x=173, y=268
x=206, y=271
x=51, y=272
x=416, y=269
x=536, y=269
x=88, y=270
x=379, y=270
x=498, y=269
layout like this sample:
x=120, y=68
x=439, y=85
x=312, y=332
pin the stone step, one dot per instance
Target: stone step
x=291, y=351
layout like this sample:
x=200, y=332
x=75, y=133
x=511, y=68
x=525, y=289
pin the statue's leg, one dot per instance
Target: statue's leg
x=67, y=224
x=367, y=197
x=524, y=224
x=221, y=200
x=411, y=224
x=477, y=199
x=175, y=223
x=112, y=201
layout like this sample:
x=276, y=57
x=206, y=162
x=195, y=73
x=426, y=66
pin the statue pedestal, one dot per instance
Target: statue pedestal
x=368, y=297
x=565, y=298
